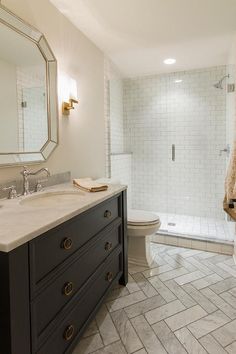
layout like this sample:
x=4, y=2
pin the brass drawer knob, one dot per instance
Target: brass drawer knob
x=69, y=333
x=109, y=277
x=108, y=246
x=67, y=243
x=68, y=289
x=107, y=214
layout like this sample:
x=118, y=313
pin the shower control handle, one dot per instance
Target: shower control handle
x=173, y=152
x=226, y=149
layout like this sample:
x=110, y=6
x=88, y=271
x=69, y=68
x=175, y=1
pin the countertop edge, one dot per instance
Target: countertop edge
x=8, y=247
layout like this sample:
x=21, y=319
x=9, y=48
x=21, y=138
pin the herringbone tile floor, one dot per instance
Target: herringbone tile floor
x=186, y=303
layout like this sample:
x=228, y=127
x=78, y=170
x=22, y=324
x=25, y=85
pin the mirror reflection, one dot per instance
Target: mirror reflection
x=23, y=94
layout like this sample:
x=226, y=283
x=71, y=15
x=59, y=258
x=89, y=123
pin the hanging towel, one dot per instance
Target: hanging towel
x=230, y=187
x=88, y=185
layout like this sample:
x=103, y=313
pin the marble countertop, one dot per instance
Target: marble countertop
x=20, y=222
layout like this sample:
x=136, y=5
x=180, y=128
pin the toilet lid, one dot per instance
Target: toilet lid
x=142, y=217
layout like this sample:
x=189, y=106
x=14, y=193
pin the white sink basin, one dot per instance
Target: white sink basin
x=53, y=199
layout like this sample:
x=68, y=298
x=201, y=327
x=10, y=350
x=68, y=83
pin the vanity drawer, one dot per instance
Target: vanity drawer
x=56, y=245
x=72, y=326
x=69, y=285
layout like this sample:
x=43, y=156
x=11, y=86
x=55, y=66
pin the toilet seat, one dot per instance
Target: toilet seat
x=142, y=218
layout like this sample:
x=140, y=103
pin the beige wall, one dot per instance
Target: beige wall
x=82, y=136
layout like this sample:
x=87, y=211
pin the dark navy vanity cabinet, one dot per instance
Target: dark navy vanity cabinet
x=52, y=286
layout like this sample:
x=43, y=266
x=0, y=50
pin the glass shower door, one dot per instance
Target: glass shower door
x=196, y=113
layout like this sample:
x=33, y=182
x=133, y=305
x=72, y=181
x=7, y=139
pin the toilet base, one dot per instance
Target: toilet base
x=140, y=251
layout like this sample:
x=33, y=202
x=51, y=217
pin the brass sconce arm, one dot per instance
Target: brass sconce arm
x=67, y=106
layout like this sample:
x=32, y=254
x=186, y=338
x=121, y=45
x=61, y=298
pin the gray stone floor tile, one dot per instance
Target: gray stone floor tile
x=208, y=324
x=115, y=348
x=162, y=289
x=91, y=329
x=179, y=292
x=126, y=331
x=222, y=273
x=133, y=268
x=200, y=266
x=227, y=268
x=205, y=255
x=144, y=285
x=219, y=258
x=168, y=339
x=191, y=344
x=220, y=303
x=231, y=349
x=164, y=311
x=116, y=293
x=143, y=306
x=124, y=301
x=188, y=278
x=224, y=285
x=176, y=262
x=172, y=274
x=211, y=345
x=228, y=297
x=186, y=317
x=233, y=292
x=206, y=281
x=132, y=285
x=203, y=301
x=157, y=271
x=141, y=351
x=189, y=253
x=89, y=344
x=147, y=336
x=226, y=334
x=107, y=329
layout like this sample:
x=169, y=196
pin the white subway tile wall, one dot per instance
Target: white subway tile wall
x=191, y=114
x=32, y=119
x=118, y=165
x=116, y=116
x=121, y=170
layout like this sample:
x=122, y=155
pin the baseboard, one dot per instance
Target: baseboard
x=192, y=243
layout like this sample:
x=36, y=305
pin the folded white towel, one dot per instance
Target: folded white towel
x=88, y=185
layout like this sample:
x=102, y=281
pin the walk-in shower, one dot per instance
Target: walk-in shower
x=174, y=148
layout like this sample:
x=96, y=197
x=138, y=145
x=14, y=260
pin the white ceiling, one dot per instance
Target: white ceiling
x=139, y=34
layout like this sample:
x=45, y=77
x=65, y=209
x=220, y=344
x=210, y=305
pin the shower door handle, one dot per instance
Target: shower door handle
x=173, y=152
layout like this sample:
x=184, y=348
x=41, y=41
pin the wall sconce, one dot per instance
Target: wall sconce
x=67, y=106
x=72, y=95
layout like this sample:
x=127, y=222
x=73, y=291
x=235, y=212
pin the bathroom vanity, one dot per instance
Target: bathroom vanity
x=57, y=268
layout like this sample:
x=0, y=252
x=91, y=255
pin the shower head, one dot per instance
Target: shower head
x=219, y=85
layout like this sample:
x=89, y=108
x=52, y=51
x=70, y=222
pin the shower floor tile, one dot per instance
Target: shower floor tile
x=201, y=227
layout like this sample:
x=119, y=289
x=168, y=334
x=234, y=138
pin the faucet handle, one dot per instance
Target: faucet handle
x=12, y=192
x=38, y=186
x=25, y=171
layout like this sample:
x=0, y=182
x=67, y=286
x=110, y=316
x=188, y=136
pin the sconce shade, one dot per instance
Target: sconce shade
x=70, y=96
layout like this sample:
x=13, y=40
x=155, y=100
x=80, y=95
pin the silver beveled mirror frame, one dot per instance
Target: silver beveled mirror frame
x=31, y=157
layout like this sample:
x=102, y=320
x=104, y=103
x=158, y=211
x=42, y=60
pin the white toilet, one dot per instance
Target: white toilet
x=141, y=226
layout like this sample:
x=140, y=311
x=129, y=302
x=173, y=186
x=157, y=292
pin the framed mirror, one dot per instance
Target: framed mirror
x=28, y=93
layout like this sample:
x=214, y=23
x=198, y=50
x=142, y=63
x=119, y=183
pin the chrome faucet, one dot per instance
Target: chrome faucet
x=26, y=173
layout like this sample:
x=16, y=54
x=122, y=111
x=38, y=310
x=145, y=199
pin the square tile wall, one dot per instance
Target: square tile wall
x=33, y=118
x=121, y=165
x=191, y=114
x=113, y=108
